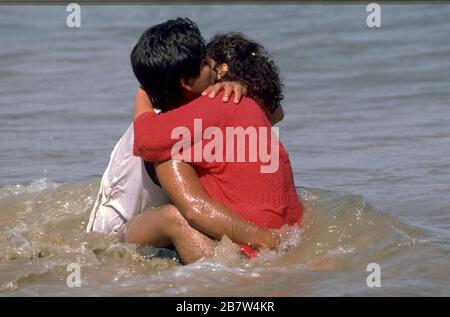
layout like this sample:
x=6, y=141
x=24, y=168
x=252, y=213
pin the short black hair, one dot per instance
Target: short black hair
x=249, y=63
x=164, y=54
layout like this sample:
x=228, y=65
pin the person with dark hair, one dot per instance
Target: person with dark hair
x=239, y=59
x=168, y=62
x=210, y=198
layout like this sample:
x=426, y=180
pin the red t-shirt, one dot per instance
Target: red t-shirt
x=265, y=199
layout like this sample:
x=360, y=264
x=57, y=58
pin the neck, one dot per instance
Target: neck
x=188, y=97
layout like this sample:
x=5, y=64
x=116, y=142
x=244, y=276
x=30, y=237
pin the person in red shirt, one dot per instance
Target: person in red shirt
x=266, y=199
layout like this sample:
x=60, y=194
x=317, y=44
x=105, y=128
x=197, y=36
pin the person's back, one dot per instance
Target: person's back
x=268, y=199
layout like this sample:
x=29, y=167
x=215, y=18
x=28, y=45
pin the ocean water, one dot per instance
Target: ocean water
x=367, y=128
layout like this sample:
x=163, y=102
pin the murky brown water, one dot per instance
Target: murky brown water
x=43, y=232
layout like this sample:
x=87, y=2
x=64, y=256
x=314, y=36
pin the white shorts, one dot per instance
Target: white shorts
x=126, y=189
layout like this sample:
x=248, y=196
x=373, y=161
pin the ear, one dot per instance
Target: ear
x=221, y=70
x=186, y=84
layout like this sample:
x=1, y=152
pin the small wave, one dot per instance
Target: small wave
x=42, y=228
x=35, y=186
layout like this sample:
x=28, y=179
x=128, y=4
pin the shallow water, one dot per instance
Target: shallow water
x=42, y=233
x=367, y=127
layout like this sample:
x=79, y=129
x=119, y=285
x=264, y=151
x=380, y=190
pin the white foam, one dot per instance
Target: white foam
x=35, y=186
x=291, y=239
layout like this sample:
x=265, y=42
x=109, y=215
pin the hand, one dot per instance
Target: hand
x=228, y=87
x=277, y=236
x=283, y=232
x=270, y=239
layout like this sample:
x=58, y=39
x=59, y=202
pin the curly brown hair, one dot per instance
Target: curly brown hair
x=249, y=63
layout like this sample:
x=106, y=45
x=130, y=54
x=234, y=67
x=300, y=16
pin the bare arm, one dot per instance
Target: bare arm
x=182, y=185
x=153, y=139
x=142, y=103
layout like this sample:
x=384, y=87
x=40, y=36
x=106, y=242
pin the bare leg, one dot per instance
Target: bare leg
x=164, y=226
